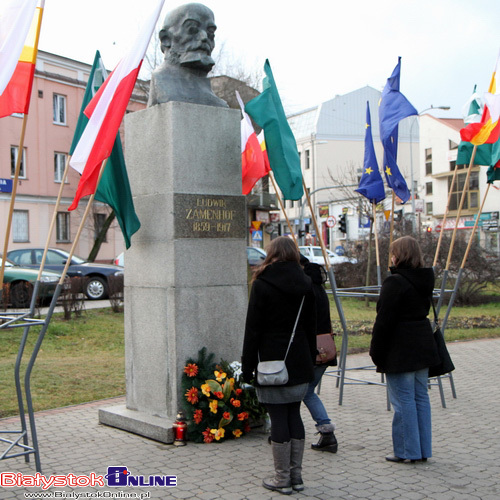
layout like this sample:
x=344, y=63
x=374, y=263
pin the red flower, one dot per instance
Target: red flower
x=226, y=415
x=208, y=437
x=238, y=391
x=192, y=395
x=198, y=416
x=219, y=394
x=191, y=370
x=243, y=415
x=235, y=402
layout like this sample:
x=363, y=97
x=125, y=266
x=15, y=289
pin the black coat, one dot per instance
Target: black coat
x=402, y=337
x=323, y=319
x=272, y=310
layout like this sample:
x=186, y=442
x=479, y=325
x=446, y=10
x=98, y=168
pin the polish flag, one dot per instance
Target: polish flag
x=106, y=111
x=20, y=22
x=252, y=159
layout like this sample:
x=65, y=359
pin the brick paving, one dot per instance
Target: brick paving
x=465, y=465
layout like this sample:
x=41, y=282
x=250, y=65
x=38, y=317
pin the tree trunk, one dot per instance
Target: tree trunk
x=101, y=236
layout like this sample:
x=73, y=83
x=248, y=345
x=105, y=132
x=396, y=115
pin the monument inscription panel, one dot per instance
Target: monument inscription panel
x=209, y=216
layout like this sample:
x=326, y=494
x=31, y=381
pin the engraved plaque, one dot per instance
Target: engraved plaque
x=209, y=216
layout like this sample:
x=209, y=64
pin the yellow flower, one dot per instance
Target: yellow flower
x=219, y=375
x=231, y=383
x=218, y=433
x=237, y=433
x=213, y=406
x=205, y=389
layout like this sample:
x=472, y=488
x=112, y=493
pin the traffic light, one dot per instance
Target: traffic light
x=342, y=224
x=302, y=233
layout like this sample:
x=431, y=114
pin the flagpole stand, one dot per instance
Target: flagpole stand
x=186, y=272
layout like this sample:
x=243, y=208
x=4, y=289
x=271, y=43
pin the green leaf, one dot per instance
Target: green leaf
x=214, y=386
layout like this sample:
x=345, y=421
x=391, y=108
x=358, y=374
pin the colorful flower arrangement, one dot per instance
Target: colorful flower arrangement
x=217, y=403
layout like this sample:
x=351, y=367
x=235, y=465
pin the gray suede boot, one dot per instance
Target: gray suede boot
x=297, y=452
x=281, y=481
x=327, y=440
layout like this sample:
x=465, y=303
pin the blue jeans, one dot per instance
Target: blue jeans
x=411, y=425
x=312, y=401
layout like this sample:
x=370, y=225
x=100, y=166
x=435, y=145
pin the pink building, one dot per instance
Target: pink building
x=56, y=99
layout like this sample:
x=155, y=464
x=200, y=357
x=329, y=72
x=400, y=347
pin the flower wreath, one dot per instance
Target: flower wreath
x=217, y=403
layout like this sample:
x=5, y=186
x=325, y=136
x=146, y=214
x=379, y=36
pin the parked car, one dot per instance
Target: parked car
x=21, y=281
x=97, y=275
x=255, y=256
x=315, y=255
x=120, y=260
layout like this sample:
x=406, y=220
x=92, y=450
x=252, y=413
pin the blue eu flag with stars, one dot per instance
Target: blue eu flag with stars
x=371, y=185
x=393, y=108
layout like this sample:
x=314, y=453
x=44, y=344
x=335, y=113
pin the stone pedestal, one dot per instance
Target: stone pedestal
x=185, y=273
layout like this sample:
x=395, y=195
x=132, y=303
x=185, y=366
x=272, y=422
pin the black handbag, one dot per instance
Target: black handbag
x=446, y=365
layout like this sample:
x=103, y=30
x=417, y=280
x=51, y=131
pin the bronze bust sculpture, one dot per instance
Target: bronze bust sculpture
x=187, y=41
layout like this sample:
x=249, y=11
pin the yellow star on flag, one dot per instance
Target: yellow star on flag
x=368, y=170
x=388, y=170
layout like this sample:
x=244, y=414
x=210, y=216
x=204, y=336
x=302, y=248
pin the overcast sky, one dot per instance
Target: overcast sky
x=317, y=49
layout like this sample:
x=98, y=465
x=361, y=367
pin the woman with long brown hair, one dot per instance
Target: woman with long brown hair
x=279, y=288
x=403, y=348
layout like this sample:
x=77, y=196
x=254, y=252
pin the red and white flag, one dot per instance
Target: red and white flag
x=20, y=22
x=106, y=111
x=253, y=166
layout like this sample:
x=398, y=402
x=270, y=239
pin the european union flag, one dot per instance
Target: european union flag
x=393, y=108
x=371, y=185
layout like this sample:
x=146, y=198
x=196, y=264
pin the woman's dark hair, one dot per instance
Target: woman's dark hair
x=407, y=253
x=281, y=249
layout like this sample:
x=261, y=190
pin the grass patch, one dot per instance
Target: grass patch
x=82, y=359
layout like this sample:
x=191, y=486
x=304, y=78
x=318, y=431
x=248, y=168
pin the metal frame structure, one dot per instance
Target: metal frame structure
x=18, y=445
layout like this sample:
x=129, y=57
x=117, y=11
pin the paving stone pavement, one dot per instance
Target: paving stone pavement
x=465, y=465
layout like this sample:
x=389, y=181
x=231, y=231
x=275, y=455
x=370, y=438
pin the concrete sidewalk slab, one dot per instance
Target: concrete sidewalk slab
x=465, y=465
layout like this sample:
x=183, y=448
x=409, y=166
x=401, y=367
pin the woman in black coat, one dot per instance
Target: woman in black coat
x=278, y=288
x=403, y=348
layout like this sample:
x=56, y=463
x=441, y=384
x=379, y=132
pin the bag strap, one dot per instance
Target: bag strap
x=295, y=327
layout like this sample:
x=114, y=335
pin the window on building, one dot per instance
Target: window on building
x=59, y=166
x=99, y=220
x=308, y=159
x=59, y=109
x=471, y=199
x=428, y=161
x=428, y=208
x=452, y=145
x=14, y=152
x=290, y=203
x=428, y=188
x=20, y=226
x=453, y=165
x=62, y=227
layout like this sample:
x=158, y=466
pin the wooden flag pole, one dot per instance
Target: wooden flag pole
x=376, y=243
x=13, y=197
x=391, y=231
x=462, y=199
x=316, y=228
x=283, y=208
x=54, y=218
x=476, y=223
x=444, y=217
x=80, y=228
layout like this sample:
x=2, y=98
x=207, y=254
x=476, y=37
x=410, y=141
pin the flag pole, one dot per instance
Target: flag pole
x=391, y=231
x=283, y=208
x=444, y=217
x=80, y=228
x=13, y=197
x=462, y=199
x=315, y=223
x=379, y=278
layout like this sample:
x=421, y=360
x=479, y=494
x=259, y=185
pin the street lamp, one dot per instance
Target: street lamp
x=414, y=217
